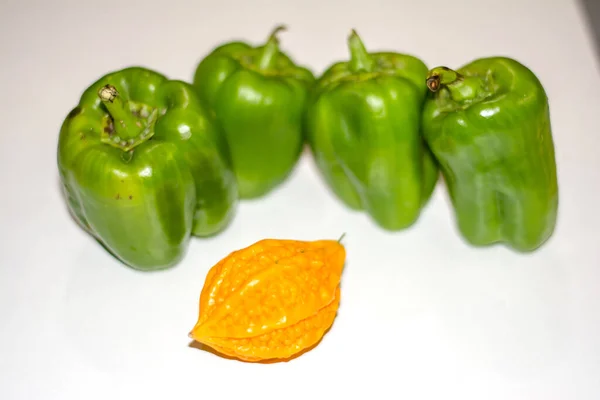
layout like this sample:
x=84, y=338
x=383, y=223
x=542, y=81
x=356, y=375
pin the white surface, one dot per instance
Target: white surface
x=423, y=316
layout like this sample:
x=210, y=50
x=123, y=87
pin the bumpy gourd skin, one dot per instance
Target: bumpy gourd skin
x=488, y=124
x=364, y=129
x=259, y=96
x=272, y=300
x=144, y=167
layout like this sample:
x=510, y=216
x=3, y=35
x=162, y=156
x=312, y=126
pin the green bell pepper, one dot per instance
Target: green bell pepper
x=258, y=96
x=144, y=167
x=363, y=126
x=488, y=124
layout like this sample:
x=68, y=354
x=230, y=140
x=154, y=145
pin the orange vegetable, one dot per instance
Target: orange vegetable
x=272, y=300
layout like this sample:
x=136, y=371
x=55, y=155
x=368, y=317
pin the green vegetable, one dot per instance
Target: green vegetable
x=144, y=167
x=363, y=127
x=258, y=95
x=488, y=124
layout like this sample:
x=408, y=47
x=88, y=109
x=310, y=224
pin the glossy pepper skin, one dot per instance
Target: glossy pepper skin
x=363, y=126
x=144, y=167
x=488, y=124
x=259, y=97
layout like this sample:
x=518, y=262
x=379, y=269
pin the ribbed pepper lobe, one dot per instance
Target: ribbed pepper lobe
x=363, y=125
x=258, y=95
x=488, y=124
x=144, y=167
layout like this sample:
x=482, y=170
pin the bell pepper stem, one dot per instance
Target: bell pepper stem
x=360, y=60
x=125, y=130
x=268, y=57
x=461, y=88
x=126, y=125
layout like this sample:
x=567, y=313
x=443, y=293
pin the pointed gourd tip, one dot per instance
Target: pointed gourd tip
x=194, y=336
x=197, y=331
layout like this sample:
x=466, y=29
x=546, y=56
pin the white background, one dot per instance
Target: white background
x=423, y=315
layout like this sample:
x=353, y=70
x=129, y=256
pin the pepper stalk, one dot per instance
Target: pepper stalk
x=125, y=131
x=462, y=89
x=268, y=57
x=360, y=60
